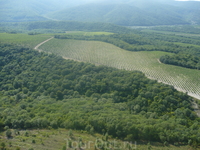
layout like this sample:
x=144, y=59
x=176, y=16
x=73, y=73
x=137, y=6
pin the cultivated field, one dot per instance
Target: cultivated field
x=100, y=53
x=24, y=39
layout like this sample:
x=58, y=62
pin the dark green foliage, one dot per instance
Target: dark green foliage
x=33, y=141
x=179, y=29
x=61, y=27
x=67, y=94
x=64, y=147
x=1, y=125
x=183, y=60
x=8, y=133
x=3, y=145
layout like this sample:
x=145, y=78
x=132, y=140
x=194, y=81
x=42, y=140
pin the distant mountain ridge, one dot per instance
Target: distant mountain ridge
x=126, y=13
x=120, y=14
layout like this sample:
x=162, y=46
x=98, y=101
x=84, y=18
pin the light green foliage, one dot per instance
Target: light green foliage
x=60, y=141
x=87, y=33
x=23, y=39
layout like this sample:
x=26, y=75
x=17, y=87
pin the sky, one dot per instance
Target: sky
x=187, y=0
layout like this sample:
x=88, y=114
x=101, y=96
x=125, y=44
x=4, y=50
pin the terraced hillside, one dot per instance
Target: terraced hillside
x=100, y=53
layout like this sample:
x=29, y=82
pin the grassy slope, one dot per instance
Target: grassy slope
x=56, y=139
x=101, y=53
x=23, y=39
x=87, y=33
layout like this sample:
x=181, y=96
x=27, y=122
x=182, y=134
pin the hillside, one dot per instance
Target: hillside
x=62, y=139
x=101, y=53
x=126, y=13
x=71, y=45
x=40, y=91
x=61, y=27
x=31, y=10
x=122, y=14
x=21, y=10
x=134, y=13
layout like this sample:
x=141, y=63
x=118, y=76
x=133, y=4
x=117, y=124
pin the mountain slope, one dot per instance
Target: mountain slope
x=126, y=12
x=40, y=91
x=15, y=11
x=32, y=10
x=123, y=14
x=113, y=13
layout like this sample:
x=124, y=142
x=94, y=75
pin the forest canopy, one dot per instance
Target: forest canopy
x=39, y=90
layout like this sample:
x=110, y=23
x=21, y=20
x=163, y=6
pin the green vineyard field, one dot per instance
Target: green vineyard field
x=100, y=53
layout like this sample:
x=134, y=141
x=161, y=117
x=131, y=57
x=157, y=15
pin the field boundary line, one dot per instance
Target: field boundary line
x=159, y=61
x=37, y=46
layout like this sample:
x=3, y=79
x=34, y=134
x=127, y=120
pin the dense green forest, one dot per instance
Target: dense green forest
x=39, y=90
x=183, y=60
x=61, y=27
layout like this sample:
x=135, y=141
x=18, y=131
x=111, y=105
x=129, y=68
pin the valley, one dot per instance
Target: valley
x=75, y=89
x=99, y=75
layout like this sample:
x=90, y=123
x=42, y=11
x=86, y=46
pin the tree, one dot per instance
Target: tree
x=3, y=145
x=8, y=133
x=1, y=125
x=59, y=95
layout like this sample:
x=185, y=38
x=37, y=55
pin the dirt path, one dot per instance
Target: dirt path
x=36, y=47
x=159, y=61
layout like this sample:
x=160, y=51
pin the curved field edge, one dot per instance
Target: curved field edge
x=100, y=53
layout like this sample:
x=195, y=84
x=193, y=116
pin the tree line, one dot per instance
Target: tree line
x=183, y=60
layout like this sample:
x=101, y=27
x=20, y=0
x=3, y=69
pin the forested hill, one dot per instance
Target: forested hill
x=62, y=26
x=123, y=14
x=120, y=12
x=40, y=90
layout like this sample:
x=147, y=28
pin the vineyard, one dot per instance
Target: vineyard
x=100, y=53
